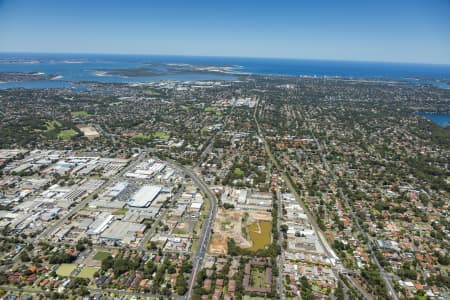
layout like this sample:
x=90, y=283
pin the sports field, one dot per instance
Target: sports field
x=88, y=272
x=67, y=134
x=65, y=269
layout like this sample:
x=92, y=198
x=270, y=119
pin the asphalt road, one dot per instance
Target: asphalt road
x=205, y=234
x=92, y=291
x=280, y=259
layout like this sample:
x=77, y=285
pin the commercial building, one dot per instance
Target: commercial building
x=121, y=231
x=117, y=189
x=99, y=225
x=145, y=196
x=247, y=199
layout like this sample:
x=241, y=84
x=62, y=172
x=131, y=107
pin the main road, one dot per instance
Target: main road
x=92, y=290
x=280, y=258
x=205, y=234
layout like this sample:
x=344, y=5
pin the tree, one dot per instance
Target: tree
x=306, y=289
x=339, y=293
x=181, y=284
x=24, y=256
x=61, y=258
x=80, y=246
x=153, y=245
x=107, y=263
x=228, y=206
x=171, y=269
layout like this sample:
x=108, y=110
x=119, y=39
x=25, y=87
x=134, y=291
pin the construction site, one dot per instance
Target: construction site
x=249, y=229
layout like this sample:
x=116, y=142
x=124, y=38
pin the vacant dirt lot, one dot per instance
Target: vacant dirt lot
x=89, y=131
x=229, y=224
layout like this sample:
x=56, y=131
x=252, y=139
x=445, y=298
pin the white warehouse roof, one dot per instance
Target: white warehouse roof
x=145, y=196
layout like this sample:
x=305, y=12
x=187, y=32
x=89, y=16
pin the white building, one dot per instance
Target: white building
x=145, y=196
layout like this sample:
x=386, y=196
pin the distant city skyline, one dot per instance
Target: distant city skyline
x=392, y=31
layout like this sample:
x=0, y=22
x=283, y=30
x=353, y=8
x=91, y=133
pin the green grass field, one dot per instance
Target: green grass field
x=179, y=231
x=120, y=211
x=140, y=138
x=101, y=255
x=151, y=92
x=194, y=244
x=67, y=134
x=238, y=172
x=210, y=109
x=161, y=135
x=81, y=113
x=88, y=272
x=257, y=278
x=65, y=269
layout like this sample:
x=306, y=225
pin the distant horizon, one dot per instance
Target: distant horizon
x=402, y=31
x=228, y=56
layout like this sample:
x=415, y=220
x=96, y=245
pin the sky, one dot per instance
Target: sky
x=415, y=31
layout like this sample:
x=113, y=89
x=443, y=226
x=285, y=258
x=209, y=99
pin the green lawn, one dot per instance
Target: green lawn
x=179, y=231
x=194, y=244
x=257, y=278
x=67, y=134
x=141, y=138
x=238, y=172
x=151, y=92
x=88, y=272
x=161, y=135
x=101, y=255
x=120, y=211
x=65, y=269
x=210, y=109
x=81, y=113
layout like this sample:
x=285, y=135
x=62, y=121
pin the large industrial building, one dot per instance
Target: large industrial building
x=145, y=196
x=120, y=231
x=116, y=190
x=247, y=199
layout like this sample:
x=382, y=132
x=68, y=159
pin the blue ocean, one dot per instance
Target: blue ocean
x=442, y=120
x=72, y=68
